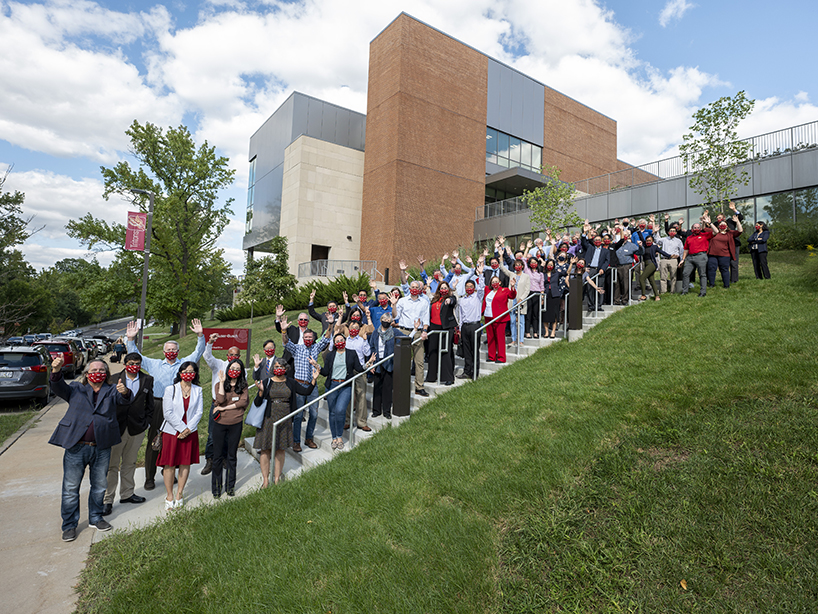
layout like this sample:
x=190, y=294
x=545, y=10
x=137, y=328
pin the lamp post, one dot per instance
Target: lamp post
x=147, y=253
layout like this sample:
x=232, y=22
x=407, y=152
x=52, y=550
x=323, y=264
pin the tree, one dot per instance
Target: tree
x=552, y=204
x=186, y=268
x=268, y=277
x=712, y=150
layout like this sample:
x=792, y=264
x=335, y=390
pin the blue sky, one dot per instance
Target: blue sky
x=76, y=73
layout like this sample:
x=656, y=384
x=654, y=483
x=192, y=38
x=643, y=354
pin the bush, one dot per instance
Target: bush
x=332, y=290
x=785, y=235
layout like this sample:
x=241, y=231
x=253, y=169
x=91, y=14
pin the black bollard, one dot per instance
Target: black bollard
x=401, y=377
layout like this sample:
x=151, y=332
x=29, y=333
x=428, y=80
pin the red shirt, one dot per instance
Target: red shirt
x=724, y=244
x=696, y=244
x=434, y=314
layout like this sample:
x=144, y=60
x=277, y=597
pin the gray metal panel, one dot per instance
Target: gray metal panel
x=581, y=207
x=671, y=194
x=342, y=128
x=534, y=112
x=357, y=131
x=505, y=99
x=268, y=143
x=773, y=175
x=492, y=168
x=746, y=191
x=619, y=204
x=515, y=103
x=517, y=94
x=805, y=169
x=493, y=115
x=329, y=114
x=315, y=110
x=596, y=208
x=644, y=200
x=299, y=118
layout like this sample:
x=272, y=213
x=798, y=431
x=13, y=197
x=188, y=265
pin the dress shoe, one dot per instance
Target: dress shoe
x=387, y=416
x=448, y=383
x=421, y=392
x=310, y=443
x=231, y=492
x=365, y=429
x=150, y=484
x=208, y=467
x=296, y=447
x=463, y=376
x=107, y=509
x=133, y=499
x=702, y=293
x=375, y=414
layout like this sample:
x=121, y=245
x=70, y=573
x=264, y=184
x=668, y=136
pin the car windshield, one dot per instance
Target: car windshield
x=10, y=360
x=57, y=347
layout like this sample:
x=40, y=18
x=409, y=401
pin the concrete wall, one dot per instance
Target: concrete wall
x=321, y=199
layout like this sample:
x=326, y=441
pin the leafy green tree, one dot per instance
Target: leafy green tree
x=187, y=270
x=268, y=277
x=712, y=149
x=551, y=205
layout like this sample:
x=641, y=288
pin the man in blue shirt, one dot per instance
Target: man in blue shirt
x=163, y=373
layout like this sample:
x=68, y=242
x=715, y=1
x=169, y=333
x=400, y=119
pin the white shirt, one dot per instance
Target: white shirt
x=489, y=299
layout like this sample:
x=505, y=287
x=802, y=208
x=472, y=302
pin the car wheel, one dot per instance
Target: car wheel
x=43, y=401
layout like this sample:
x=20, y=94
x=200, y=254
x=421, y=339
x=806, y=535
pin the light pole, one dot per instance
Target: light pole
x=147, y=253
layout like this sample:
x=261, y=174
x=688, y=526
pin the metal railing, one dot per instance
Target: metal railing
x=332, y=268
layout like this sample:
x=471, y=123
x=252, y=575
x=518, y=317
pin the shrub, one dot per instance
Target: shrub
x=785, y=235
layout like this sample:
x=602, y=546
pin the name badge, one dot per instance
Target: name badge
x=235, y=398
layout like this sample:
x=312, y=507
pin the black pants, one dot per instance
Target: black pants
x=382, y=393
x=209, y=444
x=229, y=434
x=532, y=318
x=446, y=359
x=734, y=269
x=150, y=455
x=760, y=264
x=467, y=339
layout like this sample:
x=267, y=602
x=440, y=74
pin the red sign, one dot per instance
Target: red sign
x=228, y=337
x=135, y=234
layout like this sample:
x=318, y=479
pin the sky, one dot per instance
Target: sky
x=77, y=73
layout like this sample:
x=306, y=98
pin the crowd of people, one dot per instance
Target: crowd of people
x=514, y=295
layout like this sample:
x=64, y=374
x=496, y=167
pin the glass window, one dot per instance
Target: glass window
x=248, y=222
x=694, y=215
x=525, y=154
x=514, y=150
x=502, y=147
x=806, y=205
x=776, y=208
x=252, y=179
x=536, y=158
x=490, y=157
x=491, y=141
x=746, y=207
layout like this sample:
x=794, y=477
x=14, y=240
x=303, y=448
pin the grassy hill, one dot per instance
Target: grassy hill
x=677, y=441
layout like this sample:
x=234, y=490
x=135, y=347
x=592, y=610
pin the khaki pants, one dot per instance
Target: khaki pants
x=667, y=273
x=125, y=451
x=359, y=395
x=418, y=357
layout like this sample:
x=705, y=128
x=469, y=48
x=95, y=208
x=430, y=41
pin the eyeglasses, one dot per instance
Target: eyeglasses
x=303, y=320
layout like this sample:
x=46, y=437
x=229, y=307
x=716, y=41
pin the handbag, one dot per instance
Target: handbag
x=255, y=415
x=156, y=444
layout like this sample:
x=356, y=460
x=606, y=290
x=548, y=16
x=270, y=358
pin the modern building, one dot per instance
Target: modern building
x=452, y=138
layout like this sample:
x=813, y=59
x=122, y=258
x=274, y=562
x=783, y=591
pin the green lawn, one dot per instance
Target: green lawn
x=675, y=441
x=10, y=423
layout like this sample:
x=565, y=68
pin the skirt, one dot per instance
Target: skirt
x=177, y=451
x=552, y=309
x=284, y=435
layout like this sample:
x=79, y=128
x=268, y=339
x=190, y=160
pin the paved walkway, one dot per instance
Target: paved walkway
x=38, y=571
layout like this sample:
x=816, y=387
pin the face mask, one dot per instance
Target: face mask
x=97, y=378
x=437, y=276
x=532, y=265
x=518, y=267
x=340, y=345
x=233, y=374
x=696, y=231
x=606, y=241
x=270, y=353
x=641, y=226
x=303, y=323
x=648, y=243
x=386, y=325
x=396, y=295
x=722, y=226
x=561, y=257
x=495, y=265
x=133, y=369
x=383, y=302
x=495, y=285
x=279, y=371
x=573, y=241
x=550, y=266
x=719, y=219
x=758, y=227
x=469, y=290
x=362, y=298
x=171, y=356
x=187, y=376
x=597, y=242
x=308, y=341
x=580, y=265
x=564, y=249
x=444, y=291
x=332, y=308
x=231, y=358
x=457, y=271
x=672, y=233
x=414, y=291
x=353, y=333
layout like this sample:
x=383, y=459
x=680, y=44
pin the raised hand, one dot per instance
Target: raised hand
x=222, y=377
x=58, y=362
x=257, y=360
x=512, y=283
x=732, y=206
x=121, y=388
x=402, y=265
x=346, y=296
x=132, y=330
x=260, y=386
x=456, y=254
x=421, y=261
x=469, y=260
x=529, y=244
x=454, y=283
x=212, y=339
x=393, y=300
x=279, y=311
x=284, y=322
x=373, y=284
x=667, y=216
x=196, y=326
x=445, y=256
x=312, y=296
x=485, y=252
x=480, y=269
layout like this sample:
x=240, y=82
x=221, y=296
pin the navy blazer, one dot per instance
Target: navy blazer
x=353, y=365
x=603, y=257
x=758, y=241
x=82, y=410
x=389, y=348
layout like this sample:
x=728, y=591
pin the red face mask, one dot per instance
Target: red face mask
x=233, y=374
x=332, y=308
x=303, y=323
x=187, y=376
x=97, y=378
x=550, y=266
x=362, y=298
x=270, y=353
x=495, y=285
x=564, y=249
x=580, y=265
x=458, y=271
x=672, y=233
x=696, y=231
x=532, y=264
x=340, y=345
x=353, y=332
x=444, y=291
x=573, y=241
x=597, y=242
x=495, y=265
x=722, y=226
x=279, y=371
x=308, y=340
x=396, y=295
x=758, y=227
x=469, y=290
x=133, y=369
x=641, y=226
x=518, y=267
x=171, y=356
x=383, y=302
x=414, y=291
x=606, y=241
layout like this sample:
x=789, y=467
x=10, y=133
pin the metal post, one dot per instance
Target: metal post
x=476, y=357
x=147, y=253
x=575, y=291
x=401, y=373
x=249, y=342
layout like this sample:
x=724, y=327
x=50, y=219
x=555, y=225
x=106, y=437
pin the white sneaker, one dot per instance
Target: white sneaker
x=179, y=503
x=168, y=505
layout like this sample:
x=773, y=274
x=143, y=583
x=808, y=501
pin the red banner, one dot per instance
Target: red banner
x=135, y=234
x=228, y=337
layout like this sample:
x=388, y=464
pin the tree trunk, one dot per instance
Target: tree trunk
x=183, y=321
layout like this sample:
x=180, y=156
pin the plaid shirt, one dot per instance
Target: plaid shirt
x=302, y=354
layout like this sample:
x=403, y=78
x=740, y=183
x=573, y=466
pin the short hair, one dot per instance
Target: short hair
x=310, y=331
x=176, y=343
x=268, y=341
x=133, y=356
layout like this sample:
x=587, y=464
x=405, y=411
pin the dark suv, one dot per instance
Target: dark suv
x=70, y=352
x=25, y=373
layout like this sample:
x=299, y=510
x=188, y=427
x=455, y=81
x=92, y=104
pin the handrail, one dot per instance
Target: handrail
x=596, y=293
x=630, y=282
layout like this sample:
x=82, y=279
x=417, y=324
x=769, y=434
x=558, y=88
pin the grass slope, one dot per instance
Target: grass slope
x=451, y=512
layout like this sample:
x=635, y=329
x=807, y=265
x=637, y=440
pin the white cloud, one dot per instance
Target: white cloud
x=674, y=10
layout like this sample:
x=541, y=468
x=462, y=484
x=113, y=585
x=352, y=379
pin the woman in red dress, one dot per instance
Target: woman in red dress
x=495, y=302
x=182, y=408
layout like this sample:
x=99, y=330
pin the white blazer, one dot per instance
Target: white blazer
x=173, y=409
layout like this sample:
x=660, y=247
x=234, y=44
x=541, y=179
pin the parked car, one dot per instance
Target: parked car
x=25, y=373
x=71, y=354
x=43, y=336
x=15, y=341
x=99, y=344
x=90, y=347
x=29, y=339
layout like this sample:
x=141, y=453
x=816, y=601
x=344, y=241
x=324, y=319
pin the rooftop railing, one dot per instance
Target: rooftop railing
x=334, y=268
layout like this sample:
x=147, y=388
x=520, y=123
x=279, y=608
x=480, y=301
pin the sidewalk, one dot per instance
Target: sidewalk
x=38, y=571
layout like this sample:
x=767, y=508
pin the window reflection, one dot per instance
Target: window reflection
x=777, y=207
x=806, y=205
x=510, y=152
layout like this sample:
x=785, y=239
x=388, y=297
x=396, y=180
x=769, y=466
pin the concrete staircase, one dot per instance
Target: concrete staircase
x=297, y=462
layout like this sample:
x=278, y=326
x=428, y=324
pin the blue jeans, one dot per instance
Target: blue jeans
x=301, y=401
x=718, y=263
x=74, y=462
x=338, y=402
x=514, y=325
